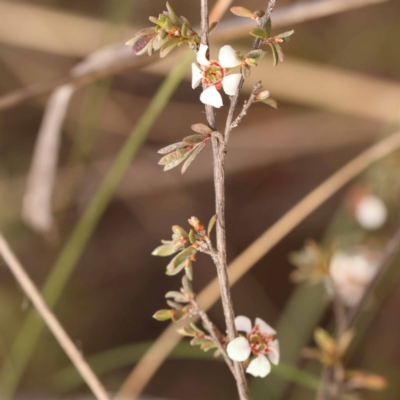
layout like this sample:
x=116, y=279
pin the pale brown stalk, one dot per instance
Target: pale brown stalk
x=51, y=321
x=219, y=186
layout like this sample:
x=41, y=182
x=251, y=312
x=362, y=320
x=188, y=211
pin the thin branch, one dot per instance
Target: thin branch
x=51, y=321
x=247, y=105
x=256, y=45
x=219, y=185
x=166, y=342
x=210, y=327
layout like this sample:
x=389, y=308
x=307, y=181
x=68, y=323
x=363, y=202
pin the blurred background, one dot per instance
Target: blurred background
x=338, y=92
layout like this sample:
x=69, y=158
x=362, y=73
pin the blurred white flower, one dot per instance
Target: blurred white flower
x=258, y=341
x=214, y=75
x=371, y=212
x=351, y=273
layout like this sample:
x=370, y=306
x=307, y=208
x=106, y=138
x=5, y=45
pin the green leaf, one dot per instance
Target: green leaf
x=195, y=152
x=211, y=224
x=275, y=55
x=172, y=15
x=177, y=296
x=271, y=102
x=246, y=71
x=164, y=250
x=162, y=315
x=187, y=285
x=194, y=139
x=178, y=262
x=243, y=12
x=184, y=30
x=179, y=231
x=285, y=35
x=178, y=315
x=201, y=128
x=192, y=237
x=175, y=158
x=259, y=33
x=132, y=41
x=268, y=27
x=256, y=54
x=168, y=46
x=154, y=20
x=189, y=271
x=262, y=95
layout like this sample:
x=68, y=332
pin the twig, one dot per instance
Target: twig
x=166, y=342
x=256, y=45
x=51, y=321
x=247, y=105
x=210, y=327
x=219, y=185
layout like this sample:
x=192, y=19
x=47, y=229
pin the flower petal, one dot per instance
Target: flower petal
x=259, y=366
x=197, y=76
x=239, y=349
x=371, y=212
x=243, y=323
x=211, y=97
x=274, y=355
x=202, y=55
x=230, y=83
x=227, y=57
x=264, y=327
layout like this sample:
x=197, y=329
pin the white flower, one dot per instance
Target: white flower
x=214, y=75
x=371, y=212
x=351, y=273
x=258, y=341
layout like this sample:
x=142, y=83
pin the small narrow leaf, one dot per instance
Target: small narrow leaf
x=162, y=315
x=132, y=41
x=279, y=50
x=268, y=27
x=176, y=296
x=178, y=262
x=187, y=285
x=271, y=102
x=165, y=250
x=201, y=128
x=256, y=54
x=211, y=224
x=168, y=46
x=171, y=147
x=179, y=231
x=243, y=12
x=189, y=271
x=192, y=237
x=172, y=15
x=140, y=46
x=275, y=55
x=192, y=156
x=259, y=33
x=194, y=139
x=285, y=35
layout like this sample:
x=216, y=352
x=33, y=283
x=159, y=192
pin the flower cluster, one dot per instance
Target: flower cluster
x=169, y=31
x=259, y=342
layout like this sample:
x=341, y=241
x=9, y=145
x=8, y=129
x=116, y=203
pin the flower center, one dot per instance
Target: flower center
x=213, y=74
x=259, y=343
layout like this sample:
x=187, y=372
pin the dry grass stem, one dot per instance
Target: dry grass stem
x=51, y=321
